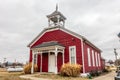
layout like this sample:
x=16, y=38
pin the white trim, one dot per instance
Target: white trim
x=63, y=56
x=48, y=61
x=41, y=63
x=83, y=56
x=56, y=53
x=32, y=68
x=36, y=58
x=89, y=57
x=74, y=47
x=93, y=58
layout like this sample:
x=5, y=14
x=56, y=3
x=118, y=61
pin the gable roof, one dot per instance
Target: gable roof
x=65, y=30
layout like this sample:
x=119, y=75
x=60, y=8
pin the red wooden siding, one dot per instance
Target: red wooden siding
x=39, y=62
x=59, y=61
x=65, y=39
x=30, y=57
x=45, y=62
x=90, y=68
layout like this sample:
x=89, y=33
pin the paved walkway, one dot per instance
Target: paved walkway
x=109, y=76
x=32, y=78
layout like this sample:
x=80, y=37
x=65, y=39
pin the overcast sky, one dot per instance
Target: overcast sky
x=22, y=20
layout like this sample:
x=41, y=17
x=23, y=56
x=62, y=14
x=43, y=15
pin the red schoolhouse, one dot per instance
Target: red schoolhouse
x=56, y=45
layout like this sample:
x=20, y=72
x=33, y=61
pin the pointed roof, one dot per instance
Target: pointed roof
x=56, y=12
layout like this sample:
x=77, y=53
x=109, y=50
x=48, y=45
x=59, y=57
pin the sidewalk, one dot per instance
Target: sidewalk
x=109, y=76
x=31, y=77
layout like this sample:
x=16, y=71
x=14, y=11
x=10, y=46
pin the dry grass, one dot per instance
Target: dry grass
x=2, y=70
x=58, y=77
x=4, y=75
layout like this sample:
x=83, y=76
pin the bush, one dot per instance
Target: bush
x=105, y=70
x=70, y=69
x=95, y=73
x=27, y=68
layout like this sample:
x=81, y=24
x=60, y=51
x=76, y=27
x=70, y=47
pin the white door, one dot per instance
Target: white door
x=51, y=62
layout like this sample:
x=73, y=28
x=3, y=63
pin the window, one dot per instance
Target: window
x=99, y=59
x=72, y=53
x=96, y=58
x=89, y=59
x=35, y=59
x=93, y=58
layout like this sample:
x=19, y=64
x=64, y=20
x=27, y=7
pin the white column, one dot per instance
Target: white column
x=63, y=23
x=41, y=63
x=83, y=63
x=32, y=68
x=63, y=56
x=58, y=21
x=56, y=70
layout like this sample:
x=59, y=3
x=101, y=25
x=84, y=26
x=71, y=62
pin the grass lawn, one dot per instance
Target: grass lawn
x=58, y=77
x=4, y=75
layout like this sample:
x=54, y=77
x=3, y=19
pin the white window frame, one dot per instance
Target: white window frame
x=35, y=58
x=89, y=57
x=99, y=59
x=93, y=58
x=72, y=47
x=96, y=57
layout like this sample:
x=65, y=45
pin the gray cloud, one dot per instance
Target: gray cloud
x=23, y=20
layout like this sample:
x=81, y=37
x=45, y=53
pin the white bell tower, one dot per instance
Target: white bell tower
x=56, y=19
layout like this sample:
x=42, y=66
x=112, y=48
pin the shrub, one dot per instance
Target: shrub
x=95, y=73
x=92, y=73
x=70, y=69
x=27, y=68
x=105, y=70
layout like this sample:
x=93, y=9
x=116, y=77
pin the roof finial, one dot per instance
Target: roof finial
x=56, y=7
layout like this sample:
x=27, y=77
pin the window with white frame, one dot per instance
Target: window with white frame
x=72, y=53
x=93, y=58
x=35, y=58
x=99, y=59
x=89, y=59
x=96, y=58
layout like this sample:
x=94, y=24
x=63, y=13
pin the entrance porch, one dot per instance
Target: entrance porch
x=50, y=54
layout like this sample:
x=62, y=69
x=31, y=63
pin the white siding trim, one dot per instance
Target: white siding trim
x=93, y=58
x=96, y=58
x=89, y=59
x=74, y=47
x=83, y=56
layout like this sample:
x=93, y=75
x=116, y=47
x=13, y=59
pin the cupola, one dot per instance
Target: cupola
x=56, y=19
